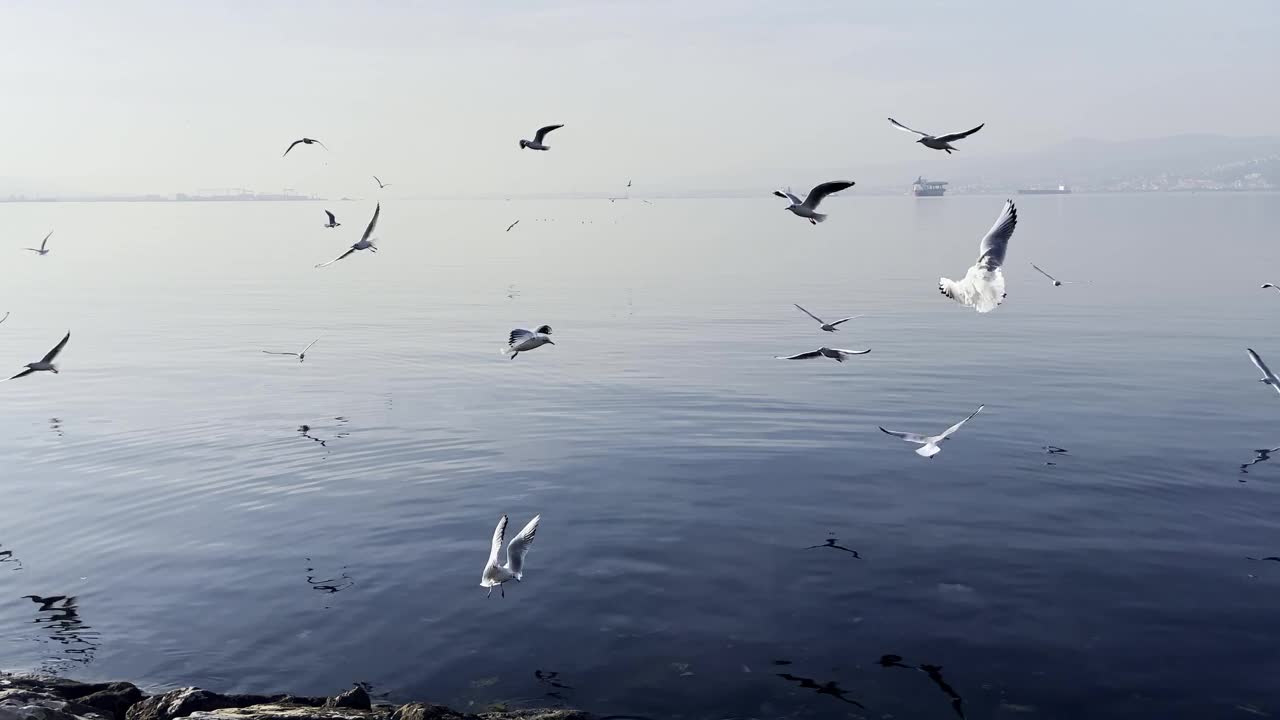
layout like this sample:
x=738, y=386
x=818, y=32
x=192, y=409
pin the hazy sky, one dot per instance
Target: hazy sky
x=434, y=96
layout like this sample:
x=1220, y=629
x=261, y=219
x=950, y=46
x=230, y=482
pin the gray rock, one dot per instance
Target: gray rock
x=22, y=704
x=285, y=712
x=188, y=700
x=426, y=711
x=114, y=699
x=355, y=698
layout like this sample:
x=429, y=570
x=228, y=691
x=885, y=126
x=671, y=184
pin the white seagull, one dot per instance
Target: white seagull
x=364, y=244
x=829, y=327
x=983, y=285
x=300, y=355
x=333, y=221
x=930, y=443
x=42, y=250
x=45, y=364
x=536, y=143
x=513, y=569
x=808, y=208
x=1268, y=377
x=939, y=142
x=380, y=183
x=1056, y=281
x=1273, y=287
x=522, y=340
x=834, y=353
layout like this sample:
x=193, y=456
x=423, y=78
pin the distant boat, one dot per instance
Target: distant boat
x=1060, y=190
x=928, y=188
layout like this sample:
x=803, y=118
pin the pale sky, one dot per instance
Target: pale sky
x=433, y=97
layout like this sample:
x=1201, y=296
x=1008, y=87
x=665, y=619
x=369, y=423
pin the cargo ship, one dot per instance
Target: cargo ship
x=928, y=188
x=1060, y=190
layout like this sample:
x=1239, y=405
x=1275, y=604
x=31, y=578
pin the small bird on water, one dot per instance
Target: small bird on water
x=536, y=143
x=304, y=141
x=45, y=364
x=808, y=208
x=940, y=142
x=495, y=574
x=522, y=340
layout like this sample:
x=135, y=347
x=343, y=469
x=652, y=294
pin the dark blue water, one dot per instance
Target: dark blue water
x=164, y=481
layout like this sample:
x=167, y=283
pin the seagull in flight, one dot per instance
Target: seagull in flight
x=983, y=285
x=939, y=142
x=364, y=244
x=536, y=143
x=808, y=208
x=1056, y=281
x=495, y=574
x=930, y=443
x=834, y=353
x=300, y=355
x=42, y=250
x=828, y=327
x=380, y=183
x=333, y=221
x=304, y=141
x=1274, y=287
x=522, y=340
x=6, y=317
x=512, y=225
x=45, y=364
x=1268, y=377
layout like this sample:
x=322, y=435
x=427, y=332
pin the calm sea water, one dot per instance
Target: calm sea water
x=164, y=481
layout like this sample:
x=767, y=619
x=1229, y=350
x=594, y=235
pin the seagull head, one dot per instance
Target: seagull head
x=524, y=144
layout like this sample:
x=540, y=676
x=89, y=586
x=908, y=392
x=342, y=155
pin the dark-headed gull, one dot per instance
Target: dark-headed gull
x=495, y=574
x=304, y=141
x=536, y=143
x=380, y=183
x=983, y=285
x=939, y=142
x=300, y=355
x=365, y=242
x=45, y=364
x=333, y=221
x=1056, y=281
x=522, y=340
x=829, y=327
x=42, y=250
x=834, y=353
x=808, y=208
x=1268, y=377
x=930, y=443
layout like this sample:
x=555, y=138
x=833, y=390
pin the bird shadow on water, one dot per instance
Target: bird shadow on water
x=1259, y=456
x=832, y=542
x=59, y=617
x=331, y=585
x=7, y=558
x=315, y=434
x=829, y=688
x=552, y=679
x=934, y=672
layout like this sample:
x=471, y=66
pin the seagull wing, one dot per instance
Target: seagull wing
x=947, y=433
x=327, y=264
x=498, y=534
x=909, y=437
x=851, y=352
x=788, y=195
x=1266, y=371
x=24, y=373
x=6, y=317
x=49, y=356
x=45, y=241
x=308, y=347
x=900, y=126
x=991, y=252
x=959, y=135
x=816, y=195
x=806, y=312
x=372, y=223
x=272, y=352
x=542, y=132
x=1037, y=267
x=332, y=220
x=326, y=147
x=295, y=142
x=801, y=356
x=512, y=225
x=517, y=335
x=842, y=320
x=519, y=546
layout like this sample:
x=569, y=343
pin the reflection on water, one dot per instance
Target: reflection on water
x=934, y=673
x=829, y=688
x=551, y=679
x=55, y=424
x=1259, y=456
x=59, y=617
x=329, y=585
x=831, y=543
x=316, y=435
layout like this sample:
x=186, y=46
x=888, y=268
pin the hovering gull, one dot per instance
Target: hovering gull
x=333, y=221
x=1268, y=377
x=1274, y=287
x=1056, y=281
x=523, y=341
x=45, y=363
x=300, y=355
x=42, y=250
x=940, y=142
x=512, y=225
x=808, y=208
x=829, y=327
x=983, y=285
x=380, y=183
x=365, y=243
x=931, y=442
x=536, y=143
x=495, y=574
x=834, y=353
x=304, y=141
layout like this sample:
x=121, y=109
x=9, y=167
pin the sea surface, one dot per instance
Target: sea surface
x=246, y=522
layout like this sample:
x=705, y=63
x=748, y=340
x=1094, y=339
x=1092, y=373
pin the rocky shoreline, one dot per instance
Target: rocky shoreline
x=25, y=697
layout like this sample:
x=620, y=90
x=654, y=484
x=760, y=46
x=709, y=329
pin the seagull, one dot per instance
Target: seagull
x=829, y=327
x=940, y=142
x=333, y=221
x=523, y=341
x=304, y=141
x=6, y=317
x=1268, y=377
x=808, y=208
x=932, y=442
x=364, y=244
x=1056, y=281
x=380, y=183
x=512, y=225
x=300, y=355
x=834, y=353
x=983, y=285
x=536, y=143
x=495, y=574
x=45, y=363
x=42, y=250
x=1274, y=287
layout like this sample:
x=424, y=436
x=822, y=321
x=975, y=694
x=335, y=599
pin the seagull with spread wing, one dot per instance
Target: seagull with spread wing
x=365, y=243
x=930, y=443
x=537, y=142
x=43, y=249
x=380, y=183
x=304, y=141
x=983, y=285
x=834, y=353
x=938, y=142
x=45, y=364
x=300, y=355
x=522, y=340
x=1268, y=377
x=1273, y=287
x=828, y=327
x=495, y=574
x=808, y=208
x=333, y=221
x=1056, y=281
